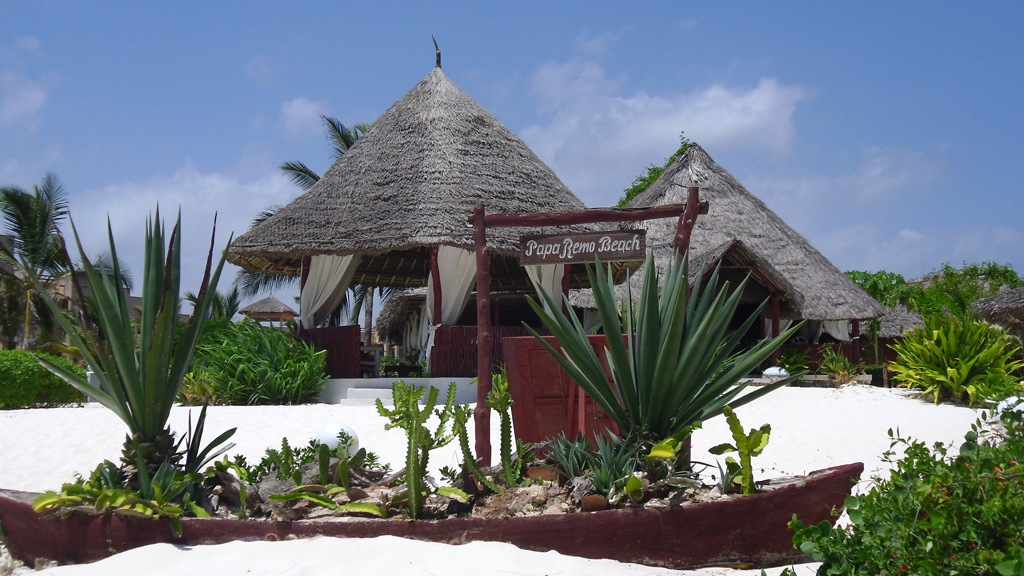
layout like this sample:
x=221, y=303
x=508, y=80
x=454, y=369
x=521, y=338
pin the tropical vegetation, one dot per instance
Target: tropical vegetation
x=137, y=379
x=248, y=364
x=33, y=220
x=651, y=174
x=939, y=510
x=678, y=363
x=25, y=383
x=966, y=359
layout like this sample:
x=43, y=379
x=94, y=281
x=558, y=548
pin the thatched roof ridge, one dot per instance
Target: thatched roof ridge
x=897, y=321
x=735, y=213
x=1005, y=309
x=412, y=181
x=394, y=314
x=268, y=305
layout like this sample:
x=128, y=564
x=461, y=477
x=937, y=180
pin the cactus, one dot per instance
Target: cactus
x=747, y=444
x=408, y=416
x=462, y=415
x=500, y=400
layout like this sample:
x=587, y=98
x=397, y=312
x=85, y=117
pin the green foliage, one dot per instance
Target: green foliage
x=500, y=400
x=249, y=364
x=794, y=361
x=286, y=463
x=463, y=415
x=748, y=444
x=838, y=366
x=934, y=514
x=408, y=416
x=571, y=457
x=678, y=368
x=25, y=383
x=964, y=359
x=614, y=461
x=651, y=174
x=137, y=381
x=946, y=290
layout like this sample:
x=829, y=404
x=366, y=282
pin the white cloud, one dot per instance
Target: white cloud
x=597, y=141
x=21, y=99
x=301, y=116
x=27, y=44
x=197, y=195
x=260, y=70
x=596, y=44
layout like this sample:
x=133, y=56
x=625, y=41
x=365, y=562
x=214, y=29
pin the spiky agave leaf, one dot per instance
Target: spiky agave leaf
x=139, y=385
x=674, y=365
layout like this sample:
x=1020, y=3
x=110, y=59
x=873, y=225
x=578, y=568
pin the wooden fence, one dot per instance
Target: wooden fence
x=343, y=345
x=454, y=354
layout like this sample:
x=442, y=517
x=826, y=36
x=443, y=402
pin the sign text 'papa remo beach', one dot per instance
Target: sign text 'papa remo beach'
x=576, y=248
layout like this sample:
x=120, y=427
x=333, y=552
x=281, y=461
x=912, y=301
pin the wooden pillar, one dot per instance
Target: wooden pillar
x=776, y=320
x=305, y=273
x=435, y=274
x=684, y=228
x=482, y=414
x=856, y=341
x=566, y=279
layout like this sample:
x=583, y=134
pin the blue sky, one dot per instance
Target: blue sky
x=891, y=135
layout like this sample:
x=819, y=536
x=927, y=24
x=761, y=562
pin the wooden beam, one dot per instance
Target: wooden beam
x=435, y=274
x=588, y=216
x=684, y=228
x=776, y=320
x=566, y=279
x=856, y=341
x=482, y=414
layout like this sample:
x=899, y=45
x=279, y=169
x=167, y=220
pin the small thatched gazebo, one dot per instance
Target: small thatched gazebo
x=1005, y=309
x=270, y=309
x=743, y=235
x=393, y=212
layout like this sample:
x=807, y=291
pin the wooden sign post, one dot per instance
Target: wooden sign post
x=616, y=243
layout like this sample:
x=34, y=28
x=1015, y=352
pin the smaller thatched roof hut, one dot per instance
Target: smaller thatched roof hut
x=269, y=308
x=1005, y=309
x=897, y=321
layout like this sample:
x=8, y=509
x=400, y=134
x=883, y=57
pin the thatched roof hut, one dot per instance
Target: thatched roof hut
x=897, y=321
x=407, y=185
x=743, y=234
x=269, y=308
x=1005, y=309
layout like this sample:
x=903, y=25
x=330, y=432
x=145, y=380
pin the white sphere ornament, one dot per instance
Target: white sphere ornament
x=329, y=435
x=776, y=372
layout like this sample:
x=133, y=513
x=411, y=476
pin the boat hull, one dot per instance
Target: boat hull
x=748, y=530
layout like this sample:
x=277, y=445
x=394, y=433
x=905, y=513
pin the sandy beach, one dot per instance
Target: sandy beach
x=812, y=428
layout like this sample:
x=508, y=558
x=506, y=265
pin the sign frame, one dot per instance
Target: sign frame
x=619, y=246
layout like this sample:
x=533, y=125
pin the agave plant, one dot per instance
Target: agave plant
x=140, y=382
x=675, y=365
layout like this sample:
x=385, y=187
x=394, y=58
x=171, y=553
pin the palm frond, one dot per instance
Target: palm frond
x=300, y=174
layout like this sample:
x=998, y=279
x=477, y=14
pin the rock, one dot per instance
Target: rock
x=594, y=503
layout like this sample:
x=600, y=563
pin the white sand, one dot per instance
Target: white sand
x=812, y=428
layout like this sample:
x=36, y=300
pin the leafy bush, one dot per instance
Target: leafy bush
x=251, y=364
x=24, y=382
x=794, y=360
x=838, y=366
x=934, y=514
x=964, y=359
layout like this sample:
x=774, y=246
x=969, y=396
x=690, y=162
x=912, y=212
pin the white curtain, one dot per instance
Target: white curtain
x=838, y=329
x=411, y=334
x=326, y=283
x=783, y=326
x=548, y=276
x=591, y=320
x=457, y=268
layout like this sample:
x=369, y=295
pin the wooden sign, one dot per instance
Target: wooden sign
x=582, y=248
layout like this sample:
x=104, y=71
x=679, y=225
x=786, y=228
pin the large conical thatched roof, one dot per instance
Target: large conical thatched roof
x=411, y=182
x=741, y=225
x=1005, y=309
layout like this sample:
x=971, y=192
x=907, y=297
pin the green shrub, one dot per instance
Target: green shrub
x=794, y=361
x=934, y=514
x=963, y=359
x=24, y=382
x=251, y=364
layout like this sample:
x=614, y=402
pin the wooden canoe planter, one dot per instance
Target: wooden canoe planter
x=750, y=529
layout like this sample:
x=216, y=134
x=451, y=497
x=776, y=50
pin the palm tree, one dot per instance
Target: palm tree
x=33, y=219
x=254, y=283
